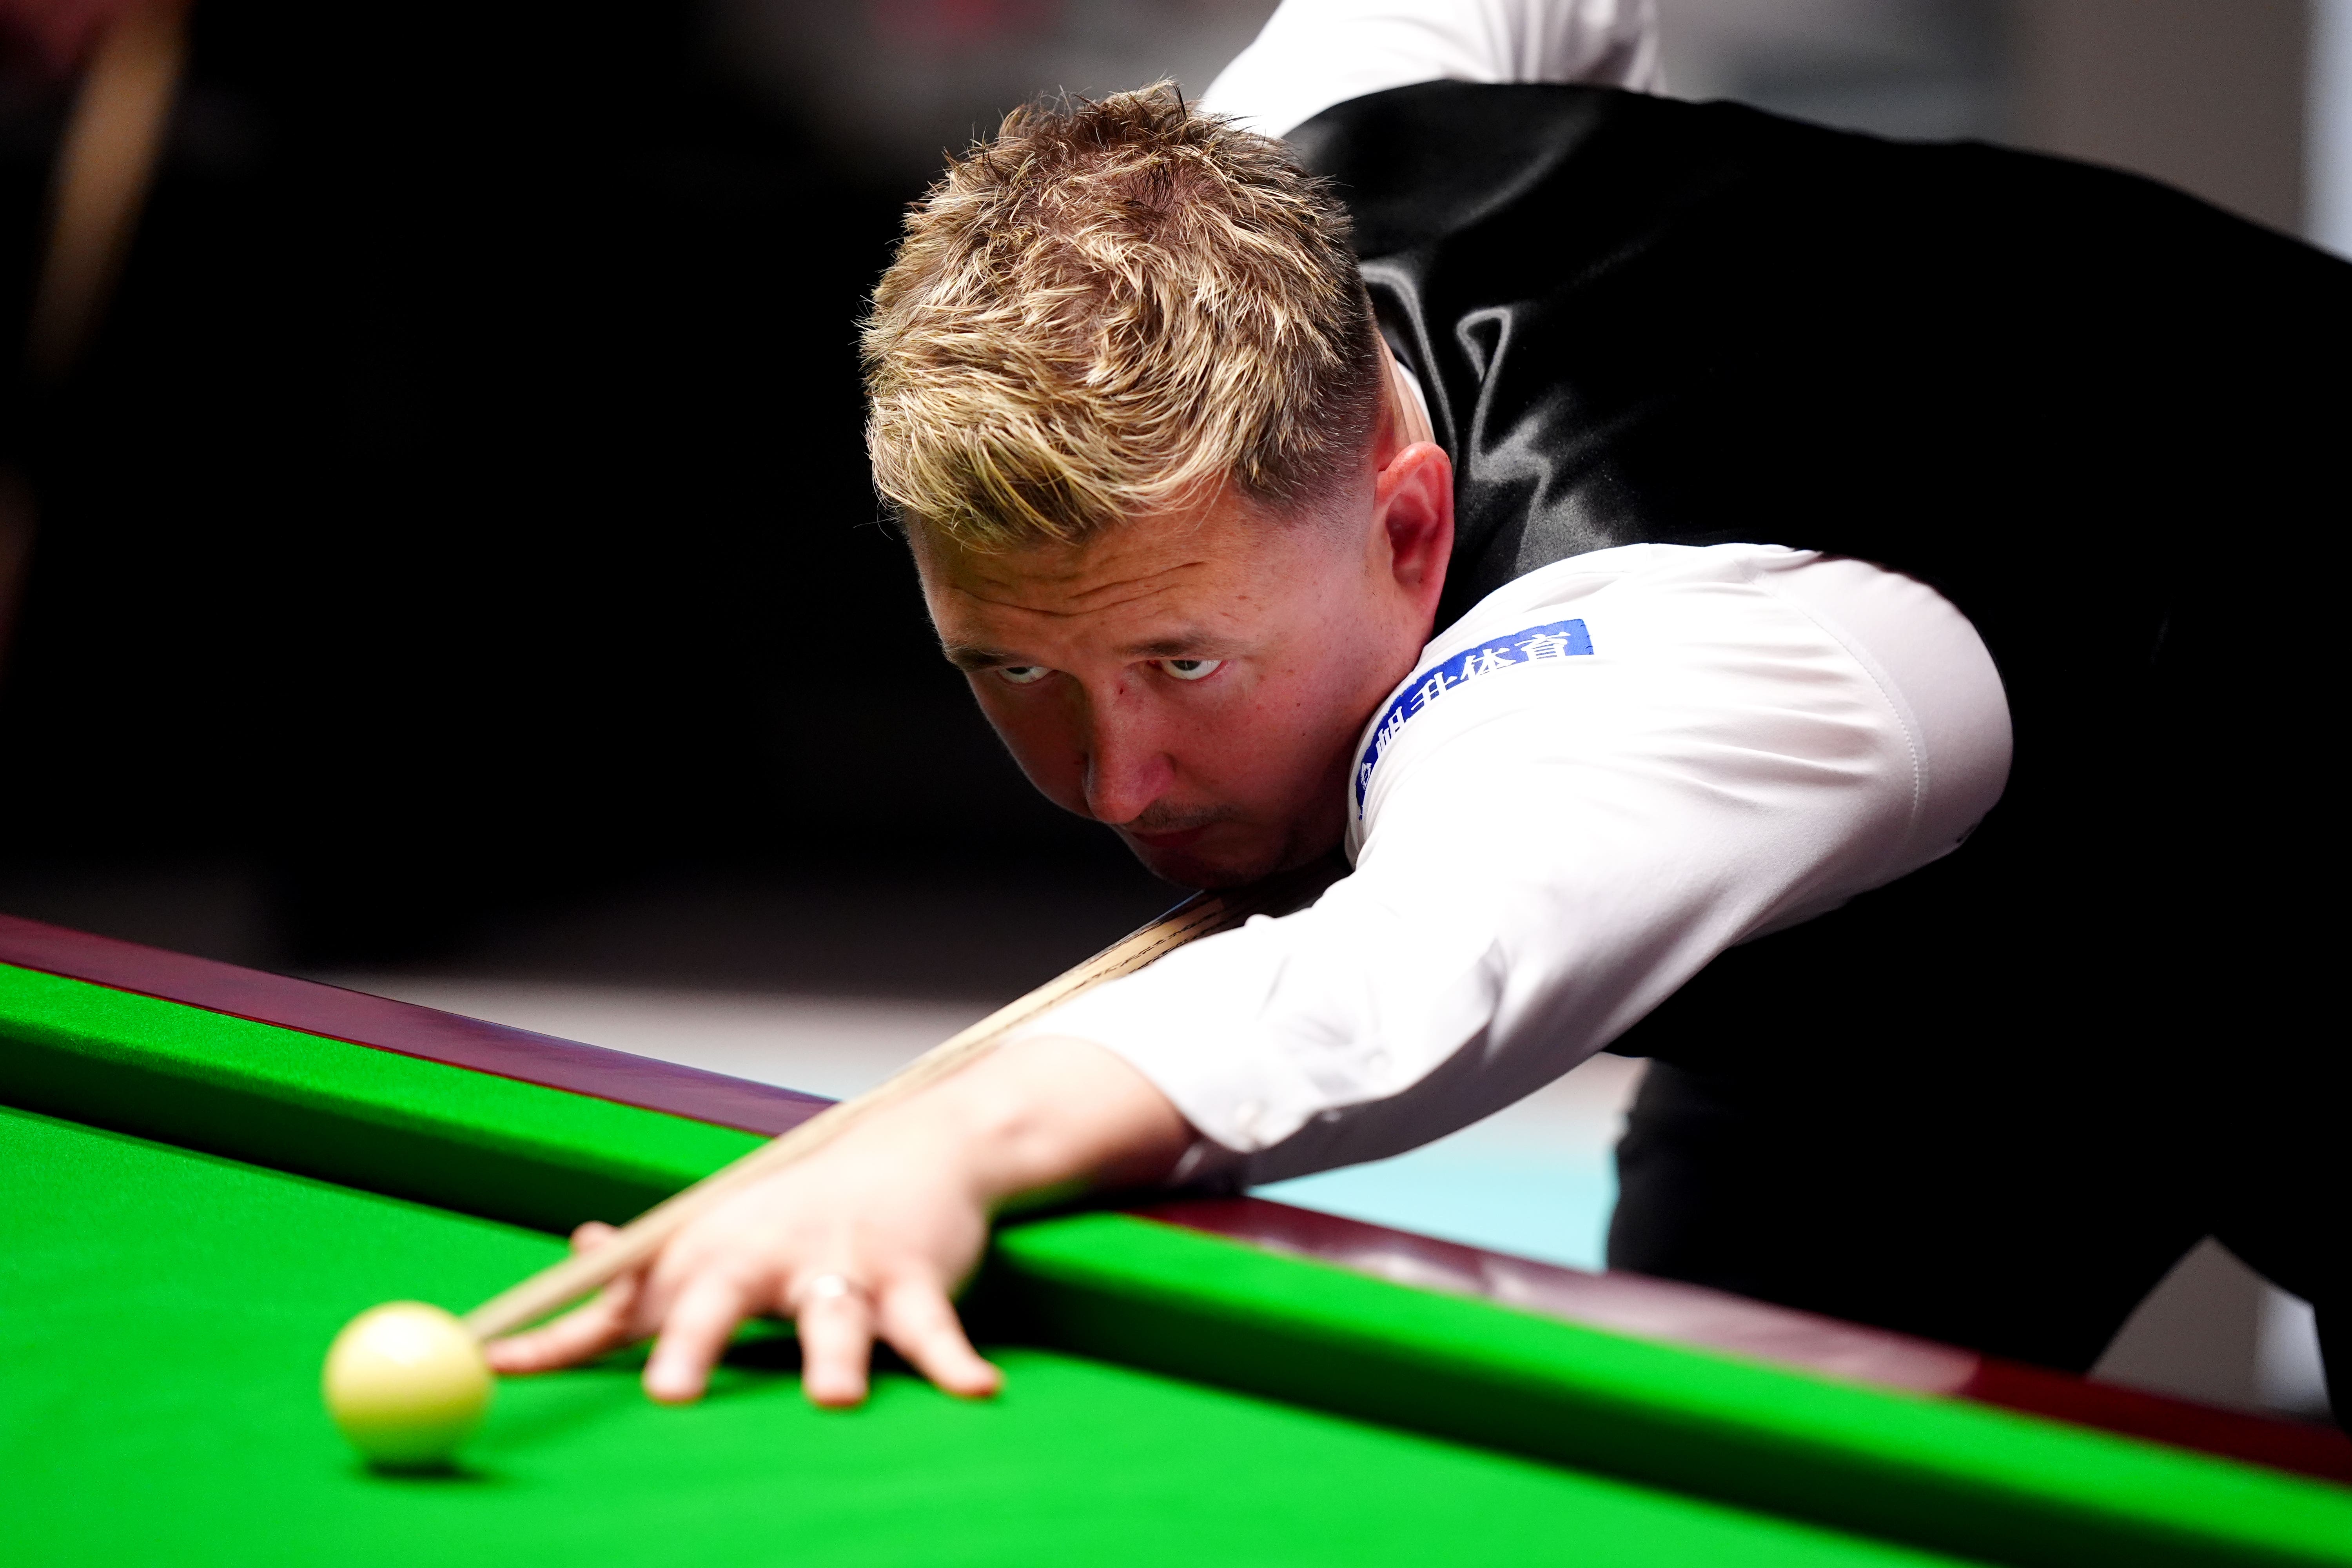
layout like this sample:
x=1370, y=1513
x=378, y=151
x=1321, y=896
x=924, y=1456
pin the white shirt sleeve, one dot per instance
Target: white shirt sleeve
x=1610, y=771
x=1313, y=54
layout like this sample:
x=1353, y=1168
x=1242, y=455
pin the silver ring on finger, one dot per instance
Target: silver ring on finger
x=829, y=1288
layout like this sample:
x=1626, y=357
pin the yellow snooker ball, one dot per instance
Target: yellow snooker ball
x=407, y=1383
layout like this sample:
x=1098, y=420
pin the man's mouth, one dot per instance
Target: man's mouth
x=1179, y=838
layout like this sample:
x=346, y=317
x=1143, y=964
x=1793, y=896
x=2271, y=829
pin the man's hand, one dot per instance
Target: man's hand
x=874, y=1233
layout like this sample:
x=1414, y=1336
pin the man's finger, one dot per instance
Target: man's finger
x=590, y=1329
x=692, y=1337
x=585, y=1332
x=917, y=1319
x=836, y=1327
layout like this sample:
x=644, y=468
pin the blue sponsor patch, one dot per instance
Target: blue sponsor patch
x=1561, y=639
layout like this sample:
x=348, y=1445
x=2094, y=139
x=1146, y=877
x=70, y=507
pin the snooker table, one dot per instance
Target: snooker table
x=208, y=1170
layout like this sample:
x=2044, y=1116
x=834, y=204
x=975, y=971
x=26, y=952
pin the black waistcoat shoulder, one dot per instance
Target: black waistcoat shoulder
x=2030, y=382
x=2108, y=421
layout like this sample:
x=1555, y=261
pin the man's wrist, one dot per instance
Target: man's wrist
x=1050, y=1118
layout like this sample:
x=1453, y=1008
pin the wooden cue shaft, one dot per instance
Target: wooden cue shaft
x=1203, y=915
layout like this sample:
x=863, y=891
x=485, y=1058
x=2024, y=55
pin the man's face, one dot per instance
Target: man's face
x=1198, y=681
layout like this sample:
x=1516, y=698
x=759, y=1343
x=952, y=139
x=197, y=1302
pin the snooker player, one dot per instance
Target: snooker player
x=1642, y=535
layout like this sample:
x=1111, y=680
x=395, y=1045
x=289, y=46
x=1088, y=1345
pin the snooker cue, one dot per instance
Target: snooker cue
x=1202, y=914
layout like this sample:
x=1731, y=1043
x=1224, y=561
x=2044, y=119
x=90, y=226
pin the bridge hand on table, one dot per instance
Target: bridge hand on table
x=871, y=1235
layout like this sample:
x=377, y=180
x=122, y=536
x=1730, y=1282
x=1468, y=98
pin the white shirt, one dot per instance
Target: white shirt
x=1313, y=54
x=1632, y=761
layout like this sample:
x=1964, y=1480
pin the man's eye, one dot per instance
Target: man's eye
x=1023, y=673
x=1191, y=668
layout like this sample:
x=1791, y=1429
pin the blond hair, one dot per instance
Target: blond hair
x=1115, y=310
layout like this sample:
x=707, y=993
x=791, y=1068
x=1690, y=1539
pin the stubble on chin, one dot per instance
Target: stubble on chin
x=1215, y=867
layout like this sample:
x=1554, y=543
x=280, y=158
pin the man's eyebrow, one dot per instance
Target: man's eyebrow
x=1186, y=643
x=1177, y=645
x=970, y=657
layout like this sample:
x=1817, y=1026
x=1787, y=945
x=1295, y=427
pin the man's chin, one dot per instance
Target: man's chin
x=1220, y=855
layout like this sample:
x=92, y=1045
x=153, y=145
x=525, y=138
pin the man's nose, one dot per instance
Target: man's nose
x=1127, y=767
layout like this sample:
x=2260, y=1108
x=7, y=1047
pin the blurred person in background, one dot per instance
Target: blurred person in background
x=54, y=37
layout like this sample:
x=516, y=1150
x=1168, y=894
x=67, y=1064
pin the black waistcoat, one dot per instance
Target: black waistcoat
x=2111, y=423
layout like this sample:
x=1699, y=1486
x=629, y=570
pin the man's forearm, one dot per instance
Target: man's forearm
x=1046, y=1116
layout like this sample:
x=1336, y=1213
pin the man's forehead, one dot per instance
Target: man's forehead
x=1138, y=567
x=1150, y=618
x=1076, y=593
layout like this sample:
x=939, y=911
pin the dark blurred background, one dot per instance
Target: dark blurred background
x=459, y=514
x=453, y=561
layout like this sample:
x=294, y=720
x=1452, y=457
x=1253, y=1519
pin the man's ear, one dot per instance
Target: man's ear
x=1412, y=504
